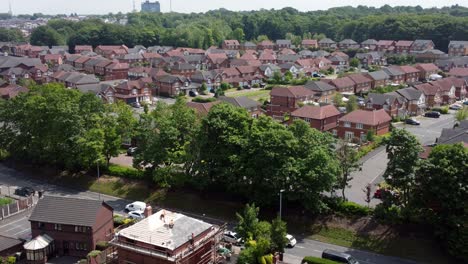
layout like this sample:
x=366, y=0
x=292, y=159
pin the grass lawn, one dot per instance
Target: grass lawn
x=252, y=94
x=387, y=244
x=5, y=201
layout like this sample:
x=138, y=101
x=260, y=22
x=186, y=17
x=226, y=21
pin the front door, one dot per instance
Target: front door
x=66, y=247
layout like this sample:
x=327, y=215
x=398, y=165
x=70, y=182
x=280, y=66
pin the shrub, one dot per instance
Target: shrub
x=269, y=87
x=101, y=245
x=353, y=209
x=203, y=100
x=94, y=253
x=5, y=201
x=118, y=220
x=3, y=154
x=125, y=172
x=388, y=215
x=443, y=110
x=256, y=85
x=315, y=260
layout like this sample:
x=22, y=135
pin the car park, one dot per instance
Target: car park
x=291, y=241
x=432, y=114
x=24, y=191
x=339, y=257
x=131, y=151
x=135, y=206
x=412, y=122
x=232, y=237
x=136, y=215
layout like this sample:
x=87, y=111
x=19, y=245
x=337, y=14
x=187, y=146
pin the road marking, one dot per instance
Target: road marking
x=300, y=247
x=21, y=219
x=24, y=231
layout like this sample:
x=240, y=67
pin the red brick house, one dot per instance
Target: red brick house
x=267, y=57
x=79, y=63
x=343, y=85
x=231, y=44
x=286, y=100
x=355, y=125
x=100, y=68
x=396, y=75
x=415, y=100
x=111, y=51
x=323, y=92
x=369, y=44
x=403, y=46
x=283, y=43
x=173, y=85
x=168, y=238
x=309, y=44
x=73, y=227
x=432, y=93
x=322, y=118
x=379, y=79
x=426, y=70
x=392, y=103
x=138, y=91
x=52, y=59
x=461, y=87
x=459, y=72
x=82, y=48
x=422, y=45
x=327, y=43
x=91, y=65
x=447, y=89
x=458, y=48
x=116, y=70
x=362, y=84
x=385, y=45
x=252, y=106
x=411, y=73
x=217, y=61
x=266, y=44
x=184, y=69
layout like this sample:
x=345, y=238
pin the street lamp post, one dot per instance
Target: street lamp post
x=98, y=175
x=281, y=202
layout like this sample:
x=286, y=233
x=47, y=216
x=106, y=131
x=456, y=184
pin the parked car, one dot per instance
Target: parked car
x=131, y=151
x=247, y=87
x=135, y=206
x=412, y=122
x=24, y=191
x=136, y=105
x=291, y=241
x=455, y=107
x=432, y=114
x=262, y=85
x=465, y=103
x=193, y=94
x=136, y=214
x=338, y=257
x=232, y=237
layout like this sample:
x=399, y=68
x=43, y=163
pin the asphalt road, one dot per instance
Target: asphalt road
x=307, y=247
x=375, y=163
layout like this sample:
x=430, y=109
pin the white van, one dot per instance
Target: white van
x=136, y=206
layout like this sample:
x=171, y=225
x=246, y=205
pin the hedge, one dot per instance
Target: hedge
x=94, y=253
x=315, y=260
x=353, y=209
x=125, y=172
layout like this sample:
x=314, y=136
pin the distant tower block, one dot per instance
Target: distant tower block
x=151, y=7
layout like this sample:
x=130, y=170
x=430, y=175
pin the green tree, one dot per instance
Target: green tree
x=349, y=162
x=278, y=235
x=462, y=114
x=238, y=34
x=263, y=230
x=403, y=150
x=352, y=104
x=247, y=222
x=338, y=100
x=46, y=36
x=441, y=189
x=354, y=62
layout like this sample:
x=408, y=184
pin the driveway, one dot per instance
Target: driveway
x=122, y=160
x=375, y=163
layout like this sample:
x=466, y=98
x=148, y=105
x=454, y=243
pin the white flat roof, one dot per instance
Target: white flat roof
x=155, y=229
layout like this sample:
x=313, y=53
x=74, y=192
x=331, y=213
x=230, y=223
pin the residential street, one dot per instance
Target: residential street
x=375, y=163
x=307, y=247
x=18, y=226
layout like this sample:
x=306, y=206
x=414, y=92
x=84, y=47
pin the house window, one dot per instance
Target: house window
x=81, y=229
x=359, y=126
x=334, y=132
x=347, y=124
x=40, y=224
x=349, y=135
x=81, y=246
x=308, y=120
x=58, y=227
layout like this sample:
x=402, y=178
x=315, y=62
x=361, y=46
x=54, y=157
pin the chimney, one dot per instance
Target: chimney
x=148, y=211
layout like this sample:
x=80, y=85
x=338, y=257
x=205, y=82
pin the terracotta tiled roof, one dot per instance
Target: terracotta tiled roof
x=427, y=67
x=342, y=82
x=202, y=108
x=427, y=89
x=316, y=112
x=309, y=42
x=408, y=69
x=295, y=91
x=231, y=42
x=359, y=78
x=385, y=42
x=371, y=118
x=404, y=43
x=444, y=84
x=459, y=72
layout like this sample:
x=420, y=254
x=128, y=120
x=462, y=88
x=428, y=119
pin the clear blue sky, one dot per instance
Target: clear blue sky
x=186, y=6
